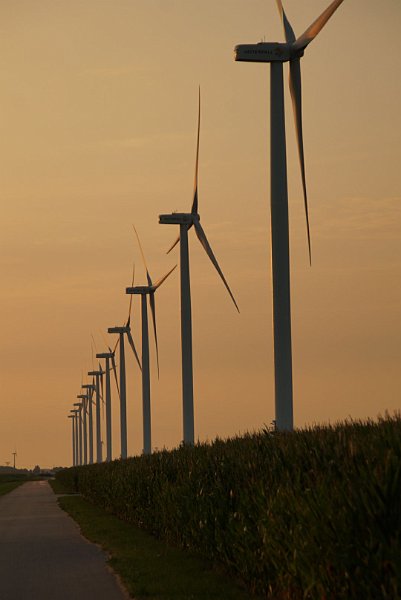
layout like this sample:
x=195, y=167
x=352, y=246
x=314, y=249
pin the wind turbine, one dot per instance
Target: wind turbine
x=79, y=417
x=89, y=387
x=186, y=221
x=108, y=356
x=73, y=438
x=97, y=374
x=276, y=54
x=144, y=291
x=121, y=331
x=84, y=398
x=75, y=415
x=14, y=454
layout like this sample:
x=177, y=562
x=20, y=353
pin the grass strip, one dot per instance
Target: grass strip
x=5, y=488
x=59, y=488
x=149, y=568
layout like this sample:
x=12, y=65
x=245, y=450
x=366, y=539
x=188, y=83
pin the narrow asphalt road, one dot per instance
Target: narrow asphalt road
x=42, y=554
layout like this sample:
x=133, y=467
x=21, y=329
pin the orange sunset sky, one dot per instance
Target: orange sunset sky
x=98, y=109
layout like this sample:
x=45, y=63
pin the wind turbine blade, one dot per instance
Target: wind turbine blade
x=203, y=240
x=93, y=391
x=317, y=25
x=101, y=387
x=174, y=245
x=296, y=95
x=288, y=30
x=143, y=257
x=101, y=379
x=114, y=368
x=130, y=297
x=153, y=311
x=93, y=340
x=162, y=279
x=93, y=358
x=115, y=345
x=194, y=209
x=131, y=343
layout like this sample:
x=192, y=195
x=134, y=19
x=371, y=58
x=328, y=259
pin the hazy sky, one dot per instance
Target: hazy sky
x=98, y=109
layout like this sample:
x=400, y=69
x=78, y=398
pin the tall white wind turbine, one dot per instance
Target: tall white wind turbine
x=79, y=418
x=75, y=413
x=121, y=331
x=147, y=291
x=109, y=357
x=84, y=399
x=97, y=375
x=186, y=221
x=73, y=438
x=276, y=54
x=90, y=388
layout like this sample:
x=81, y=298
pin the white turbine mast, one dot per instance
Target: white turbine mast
x=144, y=291
x=90, y=388
x=186, y=221
x=73, y=437
x=276, y=54
x=97, y=375
x=75, y=445
x=108, y=357
x=79, y=418
x=121, y=331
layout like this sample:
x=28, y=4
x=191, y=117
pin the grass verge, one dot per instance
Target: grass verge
x=149, y=568
x=5, y=488
x=59, y=488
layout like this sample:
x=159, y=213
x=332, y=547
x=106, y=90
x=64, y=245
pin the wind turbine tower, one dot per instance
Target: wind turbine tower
x=79, y=417
x=185, y=222
x=123, y=389
x=107, y=356
x=84, y=398
x=89, y=387
x=147, y=291
x=75, y=415
x=97, y=375
x=276, y=54
x=73, y=438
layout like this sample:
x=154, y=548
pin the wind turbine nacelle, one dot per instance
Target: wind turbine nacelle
x=94, y=373
x=117, y=330
x=104, y=355
x=138, y=289
x=263, y=52
x=176, y=219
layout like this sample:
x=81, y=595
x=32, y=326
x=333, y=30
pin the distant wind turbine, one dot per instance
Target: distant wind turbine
x=186, y=221
x=79, y=417
x=108, y=356
x=144, y=291
x=276, y=54
x=73, y=438
x=97, y=375
x=84, y=398
x=121, y=331
x=76, y=441
x=90, y=388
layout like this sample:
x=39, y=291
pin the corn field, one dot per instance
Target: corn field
x=311, y=514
